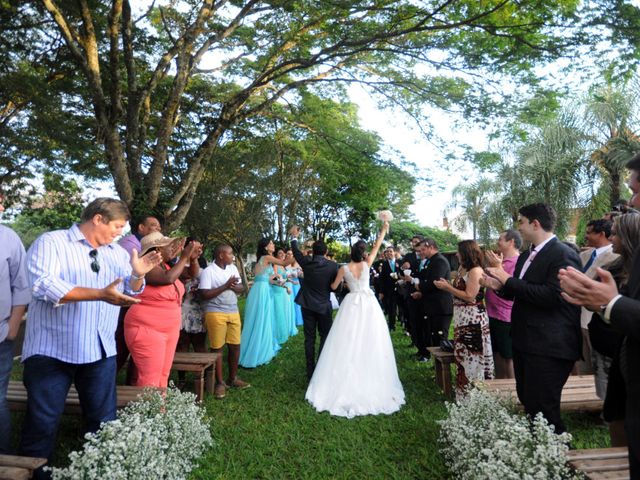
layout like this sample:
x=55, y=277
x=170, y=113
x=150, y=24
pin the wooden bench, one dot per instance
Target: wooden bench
x=578, y=394
x=19, y=468
x=17, y=397
x=601, y=463
x=442, y=362
x=203, y=365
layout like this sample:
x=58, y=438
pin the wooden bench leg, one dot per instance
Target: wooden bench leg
x=439, y=373
x=198, y=385
x=446, y=381
x=210, y=379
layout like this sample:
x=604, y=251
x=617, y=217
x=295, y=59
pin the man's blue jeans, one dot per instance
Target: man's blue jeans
x=6, y=362
x=48, y=380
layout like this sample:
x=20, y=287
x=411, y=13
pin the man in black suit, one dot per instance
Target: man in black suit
x=545, y=329
x=623, y=312
x=413, y=307
x=313, y=296
x=437, y=304
x=388, y=274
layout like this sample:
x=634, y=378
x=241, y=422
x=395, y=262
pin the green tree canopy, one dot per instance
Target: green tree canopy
x=150, y=93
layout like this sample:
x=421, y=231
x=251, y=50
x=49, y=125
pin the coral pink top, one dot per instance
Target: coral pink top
x=498, y=307
x=160, y=306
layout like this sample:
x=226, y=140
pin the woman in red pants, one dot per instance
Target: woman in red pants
x=152, y=327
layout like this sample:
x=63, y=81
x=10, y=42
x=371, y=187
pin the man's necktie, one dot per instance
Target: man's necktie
x=527, y=262
x=591, y=260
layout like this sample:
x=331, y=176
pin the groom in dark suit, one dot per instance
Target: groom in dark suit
x=313, y=297
x=545, y=329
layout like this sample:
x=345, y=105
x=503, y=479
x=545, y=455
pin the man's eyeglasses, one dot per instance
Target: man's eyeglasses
x=95, y=266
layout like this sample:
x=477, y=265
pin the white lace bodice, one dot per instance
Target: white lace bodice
x=360, y=284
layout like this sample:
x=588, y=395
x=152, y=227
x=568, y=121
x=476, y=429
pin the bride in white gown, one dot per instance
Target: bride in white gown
x=356, y=373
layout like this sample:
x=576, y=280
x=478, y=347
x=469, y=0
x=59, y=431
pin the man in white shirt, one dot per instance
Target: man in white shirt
x=219, y=285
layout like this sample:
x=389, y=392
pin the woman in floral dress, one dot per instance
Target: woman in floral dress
x=472, y=340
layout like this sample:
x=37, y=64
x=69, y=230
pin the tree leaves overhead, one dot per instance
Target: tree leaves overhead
x=149, y=92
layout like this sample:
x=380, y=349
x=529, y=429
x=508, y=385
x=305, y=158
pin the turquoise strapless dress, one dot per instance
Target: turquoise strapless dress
x=257, y=343
x=282, y=314
x=291, y=321
x=297, y=309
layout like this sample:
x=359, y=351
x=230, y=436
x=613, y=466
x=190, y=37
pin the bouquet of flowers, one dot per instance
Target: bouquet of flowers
x=385, y=216
x=278, y=280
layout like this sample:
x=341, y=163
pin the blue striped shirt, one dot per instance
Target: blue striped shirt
x=75, y=332
x=14, y=284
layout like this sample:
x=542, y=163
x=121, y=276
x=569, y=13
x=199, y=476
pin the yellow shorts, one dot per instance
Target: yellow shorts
x=222, y=328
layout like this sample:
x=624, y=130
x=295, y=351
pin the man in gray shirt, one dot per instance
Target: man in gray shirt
x=14, y=298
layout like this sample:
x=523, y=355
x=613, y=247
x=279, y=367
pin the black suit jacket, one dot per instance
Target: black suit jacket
x=319, y=274
x=386, y=283
x=414, y=261
x=625, y=318
x=436, y=301
x=542, y=323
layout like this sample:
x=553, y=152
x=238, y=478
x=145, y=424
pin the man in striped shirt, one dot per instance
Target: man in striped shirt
x=79, y=280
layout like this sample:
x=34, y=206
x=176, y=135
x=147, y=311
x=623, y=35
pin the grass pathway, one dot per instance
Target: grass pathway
x=270, y=432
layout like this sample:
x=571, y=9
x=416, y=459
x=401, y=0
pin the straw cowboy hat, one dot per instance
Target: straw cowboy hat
x=155, y=240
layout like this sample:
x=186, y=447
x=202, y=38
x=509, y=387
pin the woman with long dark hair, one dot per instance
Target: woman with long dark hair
x=472, y=340
x=356, y=373
x=258, y=344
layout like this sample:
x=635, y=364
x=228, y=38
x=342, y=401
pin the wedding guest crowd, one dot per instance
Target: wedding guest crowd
x=535, y=314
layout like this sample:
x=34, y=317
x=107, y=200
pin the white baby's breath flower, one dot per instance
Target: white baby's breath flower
x=159, y=436
x=482, y=438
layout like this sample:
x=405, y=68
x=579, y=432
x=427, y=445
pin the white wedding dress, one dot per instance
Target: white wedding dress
x=356, y=373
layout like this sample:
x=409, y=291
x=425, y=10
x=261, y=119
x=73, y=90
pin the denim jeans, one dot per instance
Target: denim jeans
x=47, y=381
x=6, y=362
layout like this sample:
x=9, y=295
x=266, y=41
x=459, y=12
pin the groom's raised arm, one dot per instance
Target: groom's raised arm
x=300, y=258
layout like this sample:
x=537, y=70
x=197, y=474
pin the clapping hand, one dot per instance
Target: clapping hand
x=197, y=250
x=112, y=295
x=493, y=259
x=140, y=266
x=579, y=289
x=488, y=281
x=442, y=284
x=499, y=274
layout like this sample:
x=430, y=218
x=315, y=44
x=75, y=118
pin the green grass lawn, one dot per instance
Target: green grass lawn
x=270, y=432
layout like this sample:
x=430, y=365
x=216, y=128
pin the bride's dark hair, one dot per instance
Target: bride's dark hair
x=357, y=251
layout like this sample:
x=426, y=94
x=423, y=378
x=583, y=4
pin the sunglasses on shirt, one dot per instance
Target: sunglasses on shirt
x=95, y=265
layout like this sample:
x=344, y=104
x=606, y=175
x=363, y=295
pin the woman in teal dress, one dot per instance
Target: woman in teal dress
x=295, y=275
x=257, y=342
x=284, y=316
